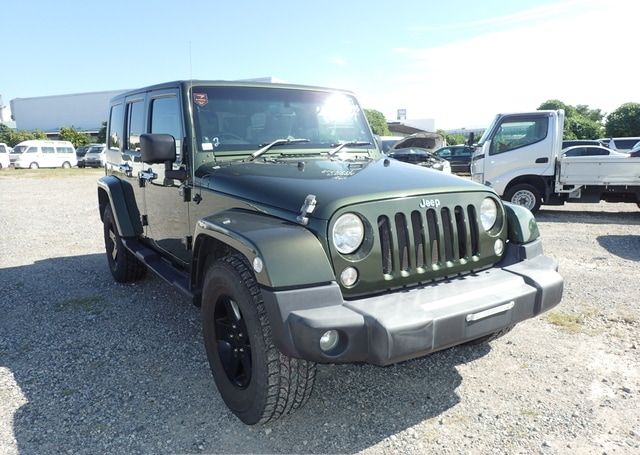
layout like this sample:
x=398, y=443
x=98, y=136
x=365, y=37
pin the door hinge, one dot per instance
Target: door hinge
x=185, y=191
x=145, y=220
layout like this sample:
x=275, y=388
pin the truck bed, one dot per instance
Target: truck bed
x=599, y=170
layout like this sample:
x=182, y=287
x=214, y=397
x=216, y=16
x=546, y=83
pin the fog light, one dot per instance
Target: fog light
x=329, y=340
x=349, y=276
x=498, y=247
x=257, y=264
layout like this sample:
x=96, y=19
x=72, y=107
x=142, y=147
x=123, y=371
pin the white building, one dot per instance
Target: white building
x=83, y=111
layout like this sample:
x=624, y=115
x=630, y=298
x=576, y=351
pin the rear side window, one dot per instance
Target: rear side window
x=48, y=150
x=114, y=135
x=64, y=150
x=514, y=133
x=165, y=118
x=625, y=144
x=3, y=149
x=135, y=124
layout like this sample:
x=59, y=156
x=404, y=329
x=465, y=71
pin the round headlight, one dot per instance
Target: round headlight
x=488, y=213
x=348, y=233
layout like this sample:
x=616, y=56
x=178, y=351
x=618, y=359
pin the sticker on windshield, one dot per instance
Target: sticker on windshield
x=207, y=146
x=201, y=99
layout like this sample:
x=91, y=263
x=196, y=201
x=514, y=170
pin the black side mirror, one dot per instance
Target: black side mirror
x=157, y=148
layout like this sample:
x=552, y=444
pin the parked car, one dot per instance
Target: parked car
x=419, y=149
x=94, y=156
x=621, y=144
x=4, y=156
x=458, y=155
x=81, y=151
x=39, y=153
x=574, y=142
x=591, y=150
x=421, y=157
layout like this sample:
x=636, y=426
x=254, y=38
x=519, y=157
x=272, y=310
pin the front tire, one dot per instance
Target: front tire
x=525, y=195
x=124, y=266
x=256, y=381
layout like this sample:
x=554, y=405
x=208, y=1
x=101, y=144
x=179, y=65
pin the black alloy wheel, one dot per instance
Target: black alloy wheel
x=234, y=348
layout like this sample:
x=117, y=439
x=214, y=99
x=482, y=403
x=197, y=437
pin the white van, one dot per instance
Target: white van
x=36, y=153
x=4, y=155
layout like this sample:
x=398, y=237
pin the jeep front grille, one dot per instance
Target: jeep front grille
x=427, y=239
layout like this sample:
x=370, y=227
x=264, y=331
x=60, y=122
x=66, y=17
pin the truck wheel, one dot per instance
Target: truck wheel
x=124, y=266
x=256, y=381
x=490, y=337
x=525, y=195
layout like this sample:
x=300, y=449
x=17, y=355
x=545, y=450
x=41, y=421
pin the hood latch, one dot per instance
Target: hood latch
x=307, y=208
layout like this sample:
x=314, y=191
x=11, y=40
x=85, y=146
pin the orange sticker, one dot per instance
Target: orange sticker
x=201, y=99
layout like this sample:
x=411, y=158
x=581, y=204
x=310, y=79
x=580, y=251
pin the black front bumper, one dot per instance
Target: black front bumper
x=402, y=325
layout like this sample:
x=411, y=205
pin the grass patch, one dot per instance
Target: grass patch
x=570, y=322
x=91, y=304
x=48, y=173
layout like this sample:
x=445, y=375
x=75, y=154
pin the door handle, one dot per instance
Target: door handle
x=146, y=176
x=125, y=169
x=542, y=160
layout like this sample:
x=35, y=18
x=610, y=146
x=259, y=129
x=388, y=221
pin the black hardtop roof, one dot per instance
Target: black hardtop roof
x=222, y=83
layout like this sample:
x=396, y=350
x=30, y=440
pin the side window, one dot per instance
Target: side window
x=114, y=135
x=135, y=125
x=32, y=150
x=3, y=149
x=515, y=133
x=165, y=119
x=444, y=153
x=579, y=151
x=64, y=150
x=48, y=150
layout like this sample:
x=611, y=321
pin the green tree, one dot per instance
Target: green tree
x=12, y=137
x=624, y=121
x=102, y=134
x=74, y=136
x=580, y=122
x=378, y=122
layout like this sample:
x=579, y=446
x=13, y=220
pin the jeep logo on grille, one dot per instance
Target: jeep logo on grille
x=429, y=203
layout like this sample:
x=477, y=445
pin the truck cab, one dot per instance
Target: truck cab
x=516, y=156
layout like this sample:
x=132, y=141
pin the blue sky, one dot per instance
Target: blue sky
x=459, y=62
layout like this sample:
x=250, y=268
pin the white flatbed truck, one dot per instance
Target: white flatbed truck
x=520, y=156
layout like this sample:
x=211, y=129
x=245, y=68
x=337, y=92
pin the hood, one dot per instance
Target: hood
x=335, y=183
x=430, y=141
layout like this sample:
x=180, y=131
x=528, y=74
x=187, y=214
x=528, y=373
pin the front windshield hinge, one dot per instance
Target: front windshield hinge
x=307, y=208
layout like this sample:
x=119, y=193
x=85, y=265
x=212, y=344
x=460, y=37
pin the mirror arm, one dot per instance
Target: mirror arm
x=176, y=174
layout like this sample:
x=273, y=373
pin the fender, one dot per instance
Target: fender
x=119, y=195
x=291, y=255
x=500, y=182
x=521, y=224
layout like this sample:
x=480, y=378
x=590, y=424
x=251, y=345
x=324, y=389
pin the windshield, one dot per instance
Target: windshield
x=19, y=148
x=232, y=120
x=95, y=150
x=487, y=131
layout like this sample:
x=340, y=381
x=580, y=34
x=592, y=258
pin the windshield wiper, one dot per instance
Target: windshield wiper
x=347, y=144
x=266, y=147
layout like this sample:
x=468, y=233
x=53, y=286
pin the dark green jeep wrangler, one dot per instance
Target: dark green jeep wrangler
x=271, y=207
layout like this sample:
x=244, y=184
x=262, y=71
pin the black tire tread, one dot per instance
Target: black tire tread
x=289, y=380
x=132, y=269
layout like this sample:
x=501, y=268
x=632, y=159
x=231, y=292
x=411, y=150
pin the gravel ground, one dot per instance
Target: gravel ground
x=88, y=365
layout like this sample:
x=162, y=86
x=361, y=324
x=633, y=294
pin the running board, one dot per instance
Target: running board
x=164, y=269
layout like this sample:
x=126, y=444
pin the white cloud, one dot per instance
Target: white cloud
x=588, y=57
x=338, y=61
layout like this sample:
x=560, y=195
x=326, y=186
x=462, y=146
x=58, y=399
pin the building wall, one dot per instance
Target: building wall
x=83, y=111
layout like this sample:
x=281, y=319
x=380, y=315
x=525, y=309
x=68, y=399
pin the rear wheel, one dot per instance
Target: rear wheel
x=34, y=165
x=256, y=381
x=66, y=165
x=525, y=195
x=124, y=266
